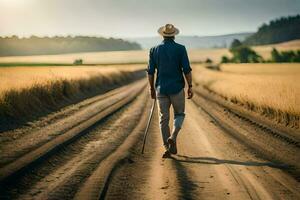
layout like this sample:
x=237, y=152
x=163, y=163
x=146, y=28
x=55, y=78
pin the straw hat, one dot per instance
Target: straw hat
x=168, y=30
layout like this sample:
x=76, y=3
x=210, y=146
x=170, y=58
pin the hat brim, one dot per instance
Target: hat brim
x=162, y=33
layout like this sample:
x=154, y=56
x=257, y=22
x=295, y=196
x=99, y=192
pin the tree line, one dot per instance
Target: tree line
x=242, y=53
x=278, y=30
x=15, y=46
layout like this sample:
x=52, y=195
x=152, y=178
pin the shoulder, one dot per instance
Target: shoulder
x=154, y=48
x=151, y=50
x=180, y=46
x=157, y=46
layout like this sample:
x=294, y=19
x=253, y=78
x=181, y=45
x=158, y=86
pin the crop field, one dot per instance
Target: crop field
x=83, y=118
x=27, y=91
x=265, y=50
x=76, y=131
x=14, y=78
x=130, y=57
x=270, y=89
x=265, y=68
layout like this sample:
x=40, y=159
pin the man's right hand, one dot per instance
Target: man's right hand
x=153, y=93
x=190, y=93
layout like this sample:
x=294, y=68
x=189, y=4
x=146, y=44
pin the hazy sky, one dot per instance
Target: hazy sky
x=131, y=18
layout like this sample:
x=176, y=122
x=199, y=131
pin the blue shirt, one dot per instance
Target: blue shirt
x=170, y=59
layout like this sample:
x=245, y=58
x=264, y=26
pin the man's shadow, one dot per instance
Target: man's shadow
x=216, y=161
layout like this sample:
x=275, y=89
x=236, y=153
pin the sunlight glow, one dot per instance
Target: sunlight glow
x=13, y=2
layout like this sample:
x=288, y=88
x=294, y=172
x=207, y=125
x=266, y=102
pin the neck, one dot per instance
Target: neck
x=168, y=39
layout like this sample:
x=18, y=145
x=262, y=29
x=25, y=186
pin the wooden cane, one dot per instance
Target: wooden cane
x=148, y=124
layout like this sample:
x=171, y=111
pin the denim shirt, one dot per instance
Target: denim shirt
x=170, y=59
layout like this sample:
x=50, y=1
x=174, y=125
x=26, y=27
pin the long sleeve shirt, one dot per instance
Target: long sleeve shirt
x=170, y=60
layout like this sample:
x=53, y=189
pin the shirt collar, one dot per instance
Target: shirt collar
x=166, y=40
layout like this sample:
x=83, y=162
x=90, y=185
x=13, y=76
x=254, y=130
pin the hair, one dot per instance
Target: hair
x=169, y=37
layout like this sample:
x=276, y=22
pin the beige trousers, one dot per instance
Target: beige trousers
x=178, y=103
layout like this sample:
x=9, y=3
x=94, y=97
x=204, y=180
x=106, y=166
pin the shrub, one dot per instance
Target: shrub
x=235, y=44
x=285, y=56
x=78, y=62
x=208, y=60
x=241, y=54
x=225, y=59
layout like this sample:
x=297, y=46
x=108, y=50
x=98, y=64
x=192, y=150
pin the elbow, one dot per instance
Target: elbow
x=150, y=73
x=187, y=71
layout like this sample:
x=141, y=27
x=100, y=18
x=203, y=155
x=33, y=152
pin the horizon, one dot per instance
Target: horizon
x=135, y=19
x=99, y=36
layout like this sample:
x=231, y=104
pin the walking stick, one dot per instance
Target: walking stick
x=148, y=124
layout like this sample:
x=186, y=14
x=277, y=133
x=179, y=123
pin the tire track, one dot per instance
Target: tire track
x=45, y=181
x=212, y=163
x=32, y=155
x=15, y=149
x=286, y=134
x=96, y=185
x=282, y=152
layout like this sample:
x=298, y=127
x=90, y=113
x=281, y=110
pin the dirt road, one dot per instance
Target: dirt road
x=220, y=156
x=210, y=164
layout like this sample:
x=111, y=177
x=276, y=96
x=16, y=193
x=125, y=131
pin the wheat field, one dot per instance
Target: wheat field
x=14, y=78
x=27, y=93
x=259, y=68
x=270, y=89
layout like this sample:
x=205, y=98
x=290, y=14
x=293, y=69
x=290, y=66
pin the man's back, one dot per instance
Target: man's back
x=170, y=60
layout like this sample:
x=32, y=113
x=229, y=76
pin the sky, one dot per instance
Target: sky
x=138, y=18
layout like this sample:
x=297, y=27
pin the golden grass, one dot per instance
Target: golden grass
x=27, y=93
x=259, y=68
x=27, y=90
x=271, y=93
x=113, y=57
x=14, y=78
x=265, y=50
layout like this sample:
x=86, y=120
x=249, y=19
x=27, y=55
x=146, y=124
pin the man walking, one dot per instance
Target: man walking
x=170, y=60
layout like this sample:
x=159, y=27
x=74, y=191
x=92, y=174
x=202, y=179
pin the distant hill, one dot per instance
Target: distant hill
x=279, y=30
x=14, y=46
x=194, y=42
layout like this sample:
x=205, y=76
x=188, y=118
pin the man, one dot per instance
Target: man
x=170, y=60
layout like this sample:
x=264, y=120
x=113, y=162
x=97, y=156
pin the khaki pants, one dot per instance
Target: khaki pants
x=178, y=103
